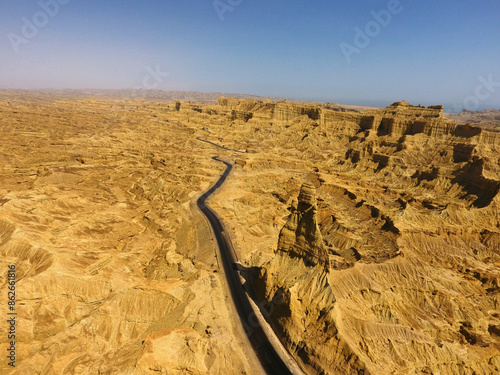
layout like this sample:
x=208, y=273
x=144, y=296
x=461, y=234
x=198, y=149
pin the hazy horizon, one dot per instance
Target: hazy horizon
x=349, y=53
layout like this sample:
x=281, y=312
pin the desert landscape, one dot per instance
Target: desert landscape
x=232, y=187
x=370, y=235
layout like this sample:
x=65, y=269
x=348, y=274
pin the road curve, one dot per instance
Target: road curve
x=219, y=146
x=268, y=357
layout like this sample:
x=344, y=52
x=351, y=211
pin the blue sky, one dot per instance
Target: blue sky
x=428, y=52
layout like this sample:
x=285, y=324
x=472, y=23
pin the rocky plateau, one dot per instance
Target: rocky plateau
x=373, y=233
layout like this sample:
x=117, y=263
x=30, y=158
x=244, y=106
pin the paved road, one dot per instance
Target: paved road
x=223, y=147
x=270, y=360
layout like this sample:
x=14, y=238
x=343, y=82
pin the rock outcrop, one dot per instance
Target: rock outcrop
x=301, y=236
x=397, y=119
x=296, y=282
x=408, y=210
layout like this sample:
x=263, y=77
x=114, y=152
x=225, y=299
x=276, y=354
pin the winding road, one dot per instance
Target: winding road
x=268, y=357
x=219, y=146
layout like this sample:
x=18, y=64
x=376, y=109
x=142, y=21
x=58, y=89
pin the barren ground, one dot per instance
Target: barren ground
x=116, y=267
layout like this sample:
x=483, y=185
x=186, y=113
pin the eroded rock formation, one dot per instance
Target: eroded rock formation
x=116, y=271
x=296, y=282
x=408, y=210
x=387, y=264
x=301, y=236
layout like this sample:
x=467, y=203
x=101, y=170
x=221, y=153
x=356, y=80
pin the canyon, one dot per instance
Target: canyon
x=374, y=235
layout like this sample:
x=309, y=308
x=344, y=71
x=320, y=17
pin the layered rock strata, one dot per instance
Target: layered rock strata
x=296, y=282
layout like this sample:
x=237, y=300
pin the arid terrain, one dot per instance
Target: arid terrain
x=488, y=119
x=373, y=233
x=116, y=267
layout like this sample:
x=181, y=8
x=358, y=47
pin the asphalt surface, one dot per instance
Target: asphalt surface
x=270, y=360
x=219, y=146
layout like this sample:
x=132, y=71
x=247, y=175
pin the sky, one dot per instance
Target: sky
x=376, y=52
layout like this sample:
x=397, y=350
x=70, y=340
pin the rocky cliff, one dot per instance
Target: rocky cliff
x=296, y=282
x=402, y=299
x=301, y=236
x=408, y=211
x=398, y=119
